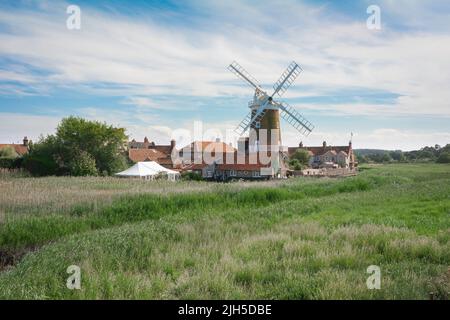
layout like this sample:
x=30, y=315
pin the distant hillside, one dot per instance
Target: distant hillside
x=426, y=154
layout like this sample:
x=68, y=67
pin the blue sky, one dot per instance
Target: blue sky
x=157, y=67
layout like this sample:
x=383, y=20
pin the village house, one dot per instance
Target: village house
x=327, y=156
x=199, y=151
x=20, y=149
x=149, y=151
x=219, y=161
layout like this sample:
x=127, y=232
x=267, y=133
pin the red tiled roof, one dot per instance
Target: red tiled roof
x=167, y=149
x=19, y=148
x=138, y=155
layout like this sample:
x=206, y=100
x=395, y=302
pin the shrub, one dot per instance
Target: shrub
x=8, y=152
x=302, y=156
x=192, y=176
x=83, y=164
x=444, y=157
x=295, y=164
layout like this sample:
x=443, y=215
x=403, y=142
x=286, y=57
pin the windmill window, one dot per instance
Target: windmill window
x=257, y=124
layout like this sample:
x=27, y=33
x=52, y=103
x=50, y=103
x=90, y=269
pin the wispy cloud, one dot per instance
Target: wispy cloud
x=153, y=53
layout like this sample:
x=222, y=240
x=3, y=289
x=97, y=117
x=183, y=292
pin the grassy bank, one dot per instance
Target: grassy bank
x=302, y=238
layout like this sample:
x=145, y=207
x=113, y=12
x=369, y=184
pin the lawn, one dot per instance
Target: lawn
x=302, y=238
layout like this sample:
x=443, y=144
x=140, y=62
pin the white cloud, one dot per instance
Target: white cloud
x=14, y=126
x=151, y=58
x=139, y=57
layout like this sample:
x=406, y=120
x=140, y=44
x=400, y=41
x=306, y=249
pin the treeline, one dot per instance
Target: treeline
x=78, y=148
x=426, y=154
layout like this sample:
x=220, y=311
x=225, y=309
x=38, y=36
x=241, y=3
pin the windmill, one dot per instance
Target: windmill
x=265, y=111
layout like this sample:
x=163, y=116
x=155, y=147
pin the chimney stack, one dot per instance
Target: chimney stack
x=324, y=144
x=243, y=144
x=172, y=144
x=25, y=141
x=300, y=144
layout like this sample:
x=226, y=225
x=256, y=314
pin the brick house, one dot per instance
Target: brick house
x=149, y=151
x=199, y=151
x=226, y=162
x=328, y=156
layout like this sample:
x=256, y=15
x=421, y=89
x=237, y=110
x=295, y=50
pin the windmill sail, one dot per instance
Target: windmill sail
x=249, y=121
x=295, y=119
x=287, y=78
x=263, y=102
x=240, y=72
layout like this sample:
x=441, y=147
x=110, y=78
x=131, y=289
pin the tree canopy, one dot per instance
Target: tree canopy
x=8, y=152
x=299, y=159
x=79, y=147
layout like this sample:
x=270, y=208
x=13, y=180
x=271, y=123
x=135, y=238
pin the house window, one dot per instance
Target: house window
x=209, y=174
x=232, y=173
x=256, y=173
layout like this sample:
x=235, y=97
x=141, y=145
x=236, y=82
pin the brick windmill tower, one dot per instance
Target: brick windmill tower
x=265, y=111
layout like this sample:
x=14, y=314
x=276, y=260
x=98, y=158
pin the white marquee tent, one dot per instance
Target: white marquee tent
x=148, y=170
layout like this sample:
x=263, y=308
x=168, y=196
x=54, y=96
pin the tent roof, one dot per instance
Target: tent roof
x=152, y=165
x=145, y=168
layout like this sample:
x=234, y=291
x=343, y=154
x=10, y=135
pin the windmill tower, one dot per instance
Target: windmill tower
x=265, y=111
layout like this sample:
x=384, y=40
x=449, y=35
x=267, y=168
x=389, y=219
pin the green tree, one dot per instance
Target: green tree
x=104, y=143
x=302, y=156
x=82, y=164
x=295, y=164
x=361, y=159
x=444, y=157
x=397, y=155
x=8, y=152
x=386, y=157
x=41, y=158
x=77, y=148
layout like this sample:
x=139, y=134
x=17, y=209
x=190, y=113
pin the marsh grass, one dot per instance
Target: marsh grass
x=295, y=239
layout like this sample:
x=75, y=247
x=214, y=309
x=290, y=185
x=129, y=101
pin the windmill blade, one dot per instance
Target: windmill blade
x=295, y=119
x=259, y=114
x=242, y=127
x=287, y=78
x=250, y=121
x=241, y=73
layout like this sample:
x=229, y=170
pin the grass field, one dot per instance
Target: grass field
x=293, y=239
